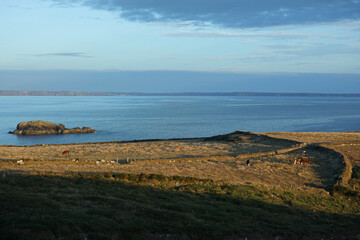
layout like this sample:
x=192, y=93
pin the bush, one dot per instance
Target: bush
x=344, y=191
x=356, y=173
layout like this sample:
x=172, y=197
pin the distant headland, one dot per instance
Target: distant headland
x=71, y=93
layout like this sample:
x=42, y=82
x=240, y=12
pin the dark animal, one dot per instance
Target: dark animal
x=248, y=162
x=304, y=160
x=66, y=152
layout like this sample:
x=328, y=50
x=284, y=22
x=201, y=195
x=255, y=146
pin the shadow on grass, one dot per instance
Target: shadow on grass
x=128, y=206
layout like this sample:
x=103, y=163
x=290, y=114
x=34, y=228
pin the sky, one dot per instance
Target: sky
x=177, y=46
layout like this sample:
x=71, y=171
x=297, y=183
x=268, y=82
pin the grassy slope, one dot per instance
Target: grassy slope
x=127, y=206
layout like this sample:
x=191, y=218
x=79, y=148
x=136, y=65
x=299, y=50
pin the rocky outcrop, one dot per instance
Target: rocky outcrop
x=43, y=128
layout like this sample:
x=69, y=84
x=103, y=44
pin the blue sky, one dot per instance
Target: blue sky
x=188, y=45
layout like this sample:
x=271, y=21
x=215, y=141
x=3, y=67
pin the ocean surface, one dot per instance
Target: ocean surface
x=130, y=118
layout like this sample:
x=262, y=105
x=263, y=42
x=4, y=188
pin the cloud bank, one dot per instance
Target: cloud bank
x=61, y=54
x=279, y=35
x=229, y=13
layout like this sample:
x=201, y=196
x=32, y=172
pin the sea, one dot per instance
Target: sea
x=123, y=118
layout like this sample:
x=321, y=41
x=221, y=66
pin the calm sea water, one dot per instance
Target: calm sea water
x=129, y=118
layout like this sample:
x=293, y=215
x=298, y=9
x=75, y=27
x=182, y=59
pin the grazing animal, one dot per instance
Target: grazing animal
x=301, y=160
x=66, y=152
x=179, y=147
x=248, y=162
x=304, y=160
x=20, y=162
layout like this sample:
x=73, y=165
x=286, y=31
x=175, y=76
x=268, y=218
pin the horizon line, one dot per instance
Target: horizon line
x=220, y=93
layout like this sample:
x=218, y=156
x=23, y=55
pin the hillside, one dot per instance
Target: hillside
x=184, y=188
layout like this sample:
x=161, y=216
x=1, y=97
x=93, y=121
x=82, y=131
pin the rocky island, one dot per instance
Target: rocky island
x=43, y=128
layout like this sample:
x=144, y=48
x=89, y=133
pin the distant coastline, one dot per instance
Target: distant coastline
x=72, y=93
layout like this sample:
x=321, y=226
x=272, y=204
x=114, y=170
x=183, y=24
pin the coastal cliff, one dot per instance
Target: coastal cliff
x=44, y=128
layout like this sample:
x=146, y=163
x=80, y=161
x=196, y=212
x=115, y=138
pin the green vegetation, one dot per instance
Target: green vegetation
x=356, y=176
x=352, y=189
x=147, y=206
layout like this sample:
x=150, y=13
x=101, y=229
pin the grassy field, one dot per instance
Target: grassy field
x=148, y=206
x=184, y=189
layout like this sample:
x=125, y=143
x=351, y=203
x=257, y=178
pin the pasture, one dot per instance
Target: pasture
x=183, y=189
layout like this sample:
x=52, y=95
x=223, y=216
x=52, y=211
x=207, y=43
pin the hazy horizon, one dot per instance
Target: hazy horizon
x=177, y=81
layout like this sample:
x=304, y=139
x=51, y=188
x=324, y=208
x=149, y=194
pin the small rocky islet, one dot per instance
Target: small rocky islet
x=41, y=127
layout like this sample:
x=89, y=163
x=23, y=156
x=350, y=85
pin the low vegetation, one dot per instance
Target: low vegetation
x=352, y=189
x=85, y=194
x=148, y=206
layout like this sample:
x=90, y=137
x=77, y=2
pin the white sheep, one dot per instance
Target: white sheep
x=20, y=162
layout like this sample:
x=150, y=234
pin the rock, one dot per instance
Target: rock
x=78, y=130
x=43, y=128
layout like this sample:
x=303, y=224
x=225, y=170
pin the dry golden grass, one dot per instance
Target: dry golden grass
x=93, y=194
x=218, y=159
